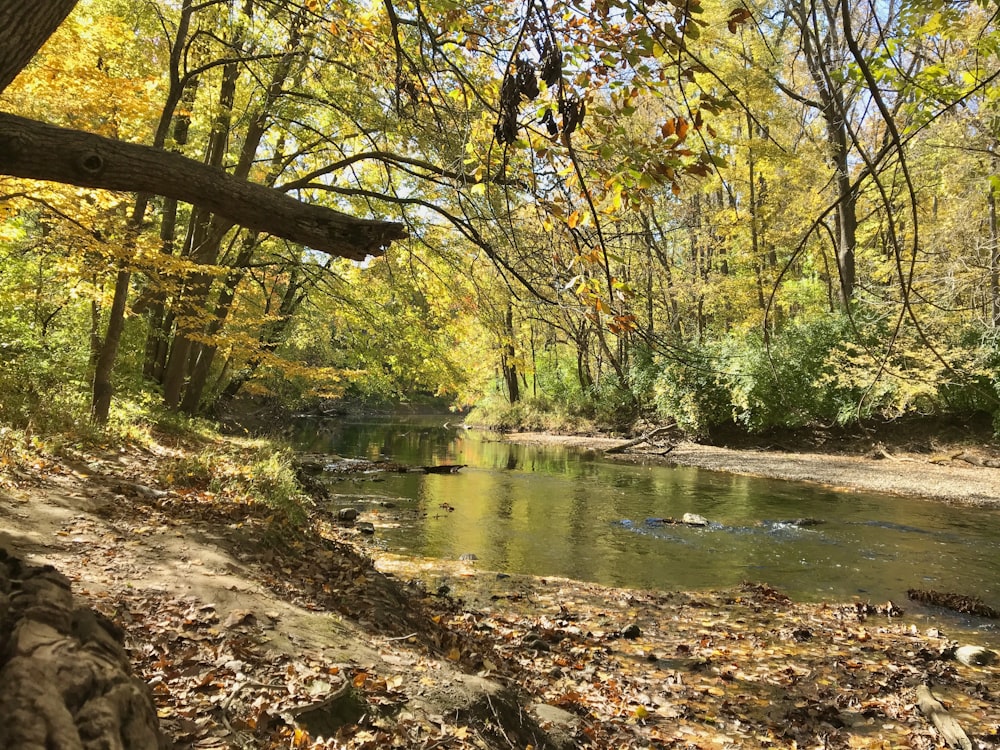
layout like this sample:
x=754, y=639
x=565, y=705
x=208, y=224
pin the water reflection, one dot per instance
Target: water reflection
x=548, y=510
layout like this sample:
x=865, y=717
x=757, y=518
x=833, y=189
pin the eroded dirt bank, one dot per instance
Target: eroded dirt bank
x=252, y=636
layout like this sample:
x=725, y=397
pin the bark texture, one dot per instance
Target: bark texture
x=44, y=152
x=24, y=27
x=65, y=680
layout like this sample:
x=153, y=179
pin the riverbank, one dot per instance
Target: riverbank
x=963, y=472
x=254, y=633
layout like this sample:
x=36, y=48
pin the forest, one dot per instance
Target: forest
x=767, y=215
x=677, y=219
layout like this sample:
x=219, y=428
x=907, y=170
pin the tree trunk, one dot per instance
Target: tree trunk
x=24, y=28
x=820, y=41
x=508, y=362
x=200, y=356
x=204, y=238
x=158, y=335
x=847, y=221
x=206, y=352
x=103, y=389
x=994, y=255
x=65, y=679
x=100, y=404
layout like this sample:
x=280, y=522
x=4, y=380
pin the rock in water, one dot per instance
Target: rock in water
x=693, y=519
x=347, y=515
x=974, y=656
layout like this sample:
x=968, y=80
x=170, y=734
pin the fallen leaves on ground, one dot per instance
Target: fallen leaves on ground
x=617, y=669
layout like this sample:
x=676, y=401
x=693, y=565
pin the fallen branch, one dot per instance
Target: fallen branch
x=970, y=605
x=442, y=469
x=688, y=519
x=944, y=722
x=643, y=439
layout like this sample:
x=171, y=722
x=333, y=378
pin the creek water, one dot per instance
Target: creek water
x=556, y=511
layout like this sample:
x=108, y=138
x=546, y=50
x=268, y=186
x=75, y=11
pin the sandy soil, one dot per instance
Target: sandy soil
x=954, y=473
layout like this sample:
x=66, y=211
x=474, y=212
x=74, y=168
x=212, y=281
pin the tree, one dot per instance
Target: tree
x=44, y=152
x=39, y=151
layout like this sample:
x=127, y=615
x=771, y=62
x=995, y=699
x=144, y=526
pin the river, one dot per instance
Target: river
x=557, y=511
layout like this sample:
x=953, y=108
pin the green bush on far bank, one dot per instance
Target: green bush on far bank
x=531, y=415
x=824, y=371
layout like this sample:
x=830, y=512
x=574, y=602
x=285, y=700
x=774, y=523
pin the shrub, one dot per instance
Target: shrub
x=692, y=388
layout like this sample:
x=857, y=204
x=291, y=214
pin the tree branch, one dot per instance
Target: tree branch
x=44, y=152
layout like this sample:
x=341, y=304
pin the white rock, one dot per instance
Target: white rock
x=974, y=656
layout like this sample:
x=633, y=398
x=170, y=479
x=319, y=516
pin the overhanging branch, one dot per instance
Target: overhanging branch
x=39, y=151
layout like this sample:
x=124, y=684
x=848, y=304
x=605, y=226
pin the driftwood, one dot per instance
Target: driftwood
x=970, y=605
x=648, y=437
x=972, y=458
x=65, y=680
x=943, y=721
x=688, y=519
x=442, y=469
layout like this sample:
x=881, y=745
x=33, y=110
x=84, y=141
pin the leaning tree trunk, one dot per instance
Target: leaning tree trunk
x=24, y=27
x=65, y=680
x=820, y=41
x=44, y=152
x=994, y=253
x=32, y=149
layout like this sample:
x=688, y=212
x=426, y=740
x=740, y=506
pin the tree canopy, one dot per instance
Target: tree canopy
x=764, y=213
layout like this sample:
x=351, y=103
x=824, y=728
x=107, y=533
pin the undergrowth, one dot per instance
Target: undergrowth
x=191, y=452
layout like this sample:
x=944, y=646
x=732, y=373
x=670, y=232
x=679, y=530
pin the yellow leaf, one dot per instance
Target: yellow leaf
x=454, y=654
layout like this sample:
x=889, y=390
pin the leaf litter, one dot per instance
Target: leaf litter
x=488, y=660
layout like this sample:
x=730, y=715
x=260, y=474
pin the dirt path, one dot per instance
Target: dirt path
x=945, y=474
x=252, y=640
